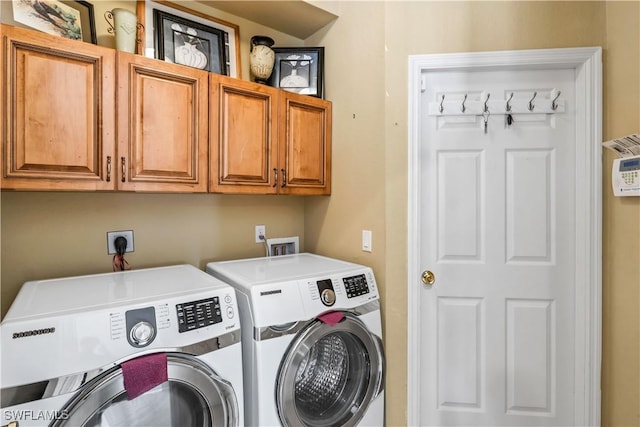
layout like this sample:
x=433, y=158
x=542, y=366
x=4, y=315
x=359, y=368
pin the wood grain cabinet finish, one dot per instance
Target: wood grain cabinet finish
x=76, y=116
x=162, y=126
x=304, y=149
x=58, y=113
x=243, y=137
x=268, y=141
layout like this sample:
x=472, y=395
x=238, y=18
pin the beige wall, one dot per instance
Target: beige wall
x=621, y=231
x=47, y=235
x=51, y=234
x=369, y=61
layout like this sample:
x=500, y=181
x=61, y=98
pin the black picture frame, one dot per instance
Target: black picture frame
x=87, y=19
x=59, y=18
x=299, y=70
x=182, y=41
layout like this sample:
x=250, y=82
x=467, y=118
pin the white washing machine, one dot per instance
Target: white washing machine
x=149, y=347
x=312, y=340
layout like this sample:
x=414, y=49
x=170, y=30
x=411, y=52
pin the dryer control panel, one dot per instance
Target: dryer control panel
x=356, y=285
x=344, y=290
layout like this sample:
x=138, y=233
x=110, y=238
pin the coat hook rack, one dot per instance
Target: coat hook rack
x=515, y=103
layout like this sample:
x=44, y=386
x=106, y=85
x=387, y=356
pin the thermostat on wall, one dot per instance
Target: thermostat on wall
x=625, y=176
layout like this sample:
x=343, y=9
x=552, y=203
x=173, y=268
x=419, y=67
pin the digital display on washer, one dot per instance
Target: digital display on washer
x=356, y=285
x=198, y=314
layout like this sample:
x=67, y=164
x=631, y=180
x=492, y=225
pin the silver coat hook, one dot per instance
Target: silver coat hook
x=463, y=101
x=441, y=106
x=486, y=107
x=531, y=106
x=508, y=106
x=554, y=105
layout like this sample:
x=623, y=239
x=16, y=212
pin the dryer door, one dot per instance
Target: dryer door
x=329, y=374
x=194, y=395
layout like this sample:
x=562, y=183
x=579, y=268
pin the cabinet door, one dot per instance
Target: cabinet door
x=243, y=137
x=58, y=112
x=305, y=145
x=162, y=126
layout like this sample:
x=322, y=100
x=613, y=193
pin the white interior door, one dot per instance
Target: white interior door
x=499, y=221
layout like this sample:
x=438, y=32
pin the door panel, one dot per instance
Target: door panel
x=305, y=142
x=164, y=144
x=244, y=150
x=497, y=213
x=531, y=361
x=460, y=330
x=530, y=205
x=460, y=230
x=58, y=133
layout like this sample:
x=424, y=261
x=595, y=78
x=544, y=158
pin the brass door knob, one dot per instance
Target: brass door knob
x=428, y=278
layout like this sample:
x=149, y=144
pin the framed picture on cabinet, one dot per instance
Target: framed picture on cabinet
x=188, y=43
x=298, y=69
x=70, y=19
x=178, y=34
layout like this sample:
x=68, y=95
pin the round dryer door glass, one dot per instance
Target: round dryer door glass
x=194, y=395
x=329, y=374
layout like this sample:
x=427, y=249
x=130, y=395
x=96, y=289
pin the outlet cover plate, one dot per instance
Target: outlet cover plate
x=113, y=235
x=260, y=231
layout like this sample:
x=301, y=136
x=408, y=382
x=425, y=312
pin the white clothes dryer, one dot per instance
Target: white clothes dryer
x=149, y=347
x=312, y=340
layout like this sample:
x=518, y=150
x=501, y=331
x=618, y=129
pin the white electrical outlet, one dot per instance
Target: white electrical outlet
x=113, y=235
x=260, y=233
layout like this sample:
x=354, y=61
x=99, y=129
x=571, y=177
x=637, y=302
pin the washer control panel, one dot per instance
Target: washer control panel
x=356, y=285
x=198, y=314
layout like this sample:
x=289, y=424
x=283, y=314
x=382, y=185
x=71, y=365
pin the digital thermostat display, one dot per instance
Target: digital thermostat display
x=626, y=165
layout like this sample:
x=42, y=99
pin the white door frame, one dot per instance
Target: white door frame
x=587, y=63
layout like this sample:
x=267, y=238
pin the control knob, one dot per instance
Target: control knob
x=328, y=297
x=142, y=333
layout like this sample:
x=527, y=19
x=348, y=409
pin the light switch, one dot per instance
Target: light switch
x=366, y=240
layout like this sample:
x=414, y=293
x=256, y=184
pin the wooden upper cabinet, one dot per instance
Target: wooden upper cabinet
x=304, y=145
x=162, y=126
x=243, y=137
x=268, y=141
x=76, y=116
x=58, y=112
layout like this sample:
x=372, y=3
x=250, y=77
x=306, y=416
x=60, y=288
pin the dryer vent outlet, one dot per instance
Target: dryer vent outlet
x=282, y=246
